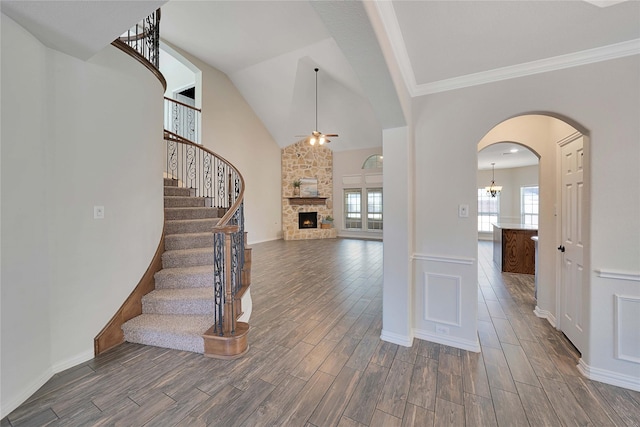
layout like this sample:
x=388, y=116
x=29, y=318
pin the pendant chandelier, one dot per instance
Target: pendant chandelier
x=493, y=189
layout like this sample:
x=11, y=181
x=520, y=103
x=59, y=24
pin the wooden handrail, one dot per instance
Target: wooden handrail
x=183, y=104
x=141, y=59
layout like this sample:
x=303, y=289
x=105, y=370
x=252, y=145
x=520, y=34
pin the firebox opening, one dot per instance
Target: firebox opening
x=307, y=219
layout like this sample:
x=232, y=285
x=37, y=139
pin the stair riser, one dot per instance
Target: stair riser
x=190, y=343
x=183, y=202
x=178, y=191
x=173, y=260
x=170, y=182
x=180, y=227
x=190, y=213
x=187, y=241
x=199, y=307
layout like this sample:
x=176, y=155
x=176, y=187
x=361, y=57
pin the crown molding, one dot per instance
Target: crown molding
x=576, y=59
x=390, y=22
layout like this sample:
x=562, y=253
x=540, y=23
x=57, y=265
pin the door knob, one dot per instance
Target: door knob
x=561, y=248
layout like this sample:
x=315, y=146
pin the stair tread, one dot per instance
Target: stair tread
x=178, y=271
x=181, y=294
x=188, y=251
x=191, y=220
x=187, y=235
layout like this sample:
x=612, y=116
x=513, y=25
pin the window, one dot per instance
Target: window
x=373, y=162
x=374, y=208
x=352, y=208
x=529, y=205
x=488, y=210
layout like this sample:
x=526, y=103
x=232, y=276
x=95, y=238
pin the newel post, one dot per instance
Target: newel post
x=227, y=338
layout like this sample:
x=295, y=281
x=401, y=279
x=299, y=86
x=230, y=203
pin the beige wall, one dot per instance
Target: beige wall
x=445, y=152
x=231, y=129
x=67, y=146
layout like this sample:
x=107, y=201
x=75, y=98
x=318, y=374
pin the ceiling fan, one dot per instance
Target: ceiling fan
x=317, y=136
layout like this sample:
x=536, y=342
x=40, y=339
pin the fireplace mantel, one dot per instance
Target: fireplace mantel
x=307, y=200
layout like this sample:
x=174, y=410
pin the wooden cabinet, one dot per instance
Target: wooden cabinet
x=513, y=249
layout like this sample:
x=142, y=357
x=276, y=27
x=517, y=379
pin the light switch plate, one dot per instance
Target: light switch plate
x=463, y=211
x=98, y=212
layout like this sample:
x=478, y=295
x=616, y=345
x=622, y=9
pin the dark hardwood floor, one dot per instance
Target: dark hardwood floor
x=316, y=359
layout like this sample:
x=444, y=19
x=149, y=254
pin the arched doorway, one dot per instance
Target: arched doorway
x=563, y=216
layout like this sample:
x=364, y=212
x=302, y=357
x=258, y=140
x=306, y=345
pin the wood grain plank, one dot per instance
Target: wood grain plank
x=567, y=407
x=498, y=370
x=417, y=416
x=474, y=375
x=449, y=414
x=537, y=406
x=394, y=394
x=509, y=410
x=382, y=419
x=505, y=331
x=301, y=408
x=424, y=383
x=330, y=408
x=519, y=365
x=362, y=404
x=276, y=403
x=479, y=411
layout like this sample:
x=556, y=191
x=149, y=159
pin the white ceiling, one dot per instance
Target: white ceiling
x=504, y=158
x=269, y=49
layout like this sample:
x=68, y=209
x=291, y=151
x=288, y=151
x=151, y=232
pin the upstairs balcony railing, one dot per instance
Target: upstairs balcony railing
x=142, y=41
x=182, y=119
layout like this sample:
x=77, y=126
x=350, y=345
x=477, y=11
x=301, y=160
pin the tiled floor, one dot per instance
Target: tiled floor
x=316, y=360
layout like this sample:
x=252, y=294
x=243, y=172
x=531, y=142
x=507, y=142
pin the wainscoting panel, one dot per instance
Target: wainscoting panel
x=442, y=298
x=627, y=332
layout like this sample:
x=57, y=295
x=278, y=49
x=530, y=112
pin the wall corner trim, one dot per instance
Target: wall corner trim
x=464, y=344
x=609, y=377
x=392, y=337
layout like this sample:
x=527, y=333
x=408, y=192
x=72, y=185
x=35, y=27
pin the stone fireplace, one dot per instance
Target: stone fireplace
x=300, y=161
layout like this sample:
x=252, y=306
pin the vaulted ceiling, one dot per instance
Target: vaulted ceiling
x=269, y=48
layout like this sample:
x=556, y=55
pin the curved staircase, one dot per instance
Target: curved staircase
x=181, y=308
x=194, y=301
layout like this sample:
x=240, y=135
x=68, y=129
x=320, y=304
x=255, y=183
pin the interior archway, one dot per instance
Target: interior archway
x=543, y=134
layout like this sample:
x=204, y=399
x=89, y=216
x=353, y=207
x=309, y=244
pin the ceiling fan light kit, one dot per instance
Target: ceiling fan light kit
x=317, y=136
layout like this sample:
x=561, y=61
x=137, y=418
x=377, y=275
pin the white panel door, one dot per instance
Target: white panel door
x=571, y=249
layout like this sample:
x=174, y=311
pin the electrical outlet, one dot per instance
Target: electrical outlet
x=442, y=330
x=463, y=211
x=98, y=212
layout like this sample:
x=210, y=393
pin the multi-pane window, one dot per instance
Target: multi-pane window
x=352, y=208
x=529, y=205
x=488, y=210
x=374, y=208
x=373, y=162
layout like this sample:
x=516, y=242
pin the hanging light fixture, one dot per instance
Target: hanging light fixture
x=317, y=136
x=493, y=189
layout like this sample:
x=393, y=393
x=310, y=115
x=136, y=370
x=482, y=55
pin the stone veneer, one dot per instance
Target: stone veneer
x=302, y=160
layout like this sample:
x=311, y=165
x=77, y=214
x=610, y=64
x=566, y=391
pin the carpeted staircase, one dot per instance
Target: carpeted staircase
x=180, y=309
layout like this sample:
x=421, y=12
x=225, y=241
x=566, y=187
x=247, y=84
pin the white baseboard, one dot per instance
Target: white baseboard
x=448, y=340
x=74, y=361
x=545, y=314
x=394, y=338
x=22, y=396
x=27, y=392
x=609, y=377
